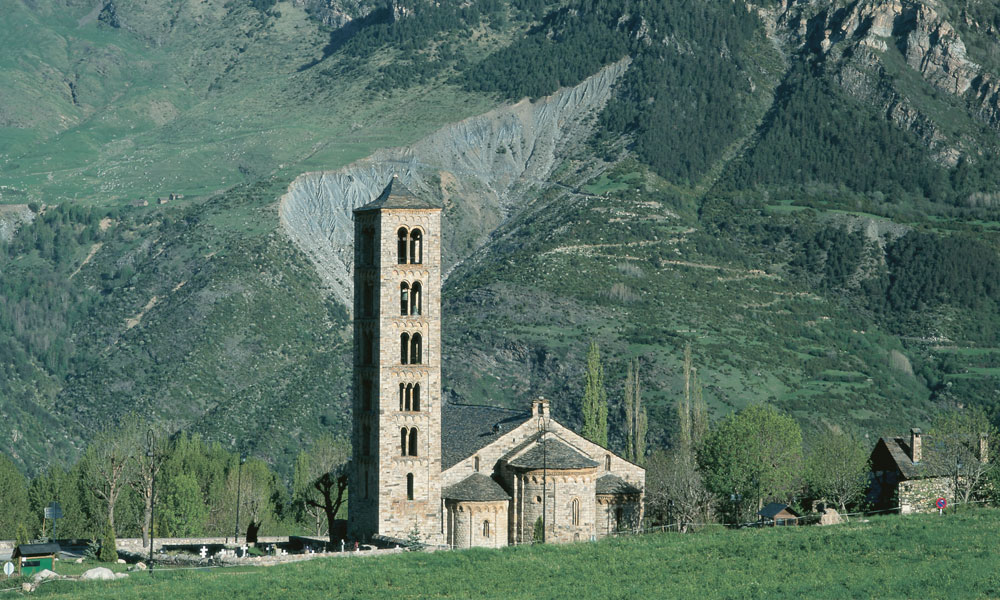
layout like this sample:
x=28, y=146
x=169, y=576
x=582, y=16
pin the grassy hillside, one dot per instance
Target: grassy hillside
x=755, y=197
x=918, y=556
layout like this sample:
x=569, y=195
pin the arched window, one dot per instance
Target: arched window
x=486, y=529
x=401, y=246
x=409, y=486
x=416, y=247
x=404, y=348
x=402, y=442
x=402, y=396
x=476, y=465
x=408, y=404
x=413, y=442
x=404, y=299
x=368, y=300
x=415, y=298
x=415, y=405
x=575, y=510
x=416, y=350
x=607, y=462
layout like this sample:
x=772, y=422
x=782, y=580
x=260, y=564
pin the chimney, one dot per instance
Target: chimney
x=540, y=407
x=915, y=453
x=984, y=447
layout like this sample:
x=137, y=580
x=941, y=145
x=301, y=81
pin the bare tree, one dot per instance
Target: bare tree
x=148, y=461
x=958, y=448
x=321, y=479
x=675, y=492
x=109, y=462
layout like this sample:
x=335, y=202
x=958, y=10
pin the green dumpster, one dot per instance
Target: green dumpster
x=32, y=558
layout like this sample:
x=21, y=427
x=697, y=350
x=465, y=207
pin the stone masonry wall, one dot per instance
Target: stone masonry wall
x=920, y=495
x=467, y=519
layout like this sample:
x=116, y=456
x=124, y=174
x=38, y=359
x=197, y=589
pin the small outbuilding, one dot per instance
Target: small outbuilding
x=32, y=558
x=775, y=514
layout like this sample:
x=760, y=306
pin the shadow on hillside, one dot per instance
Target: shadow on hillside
x=340, y=37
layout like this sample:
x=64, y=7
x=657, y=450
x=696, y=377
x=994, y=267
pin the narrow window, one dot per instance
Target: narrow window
x=416, y=247
x=368, y=309
x=401, y=246
x=366, y=394
x=409, y=397
x=404, y=299
x=476, y=465
x=415, y=298
x=607, y=462
x=575, y=509
x=402, y=396
x=367, y=348
x=402, y=441
x=409, y=486
x=618, y=518
x=416, y=398
x=413, y=442
x=366, y=440
x=416, y=350
x=404, y=348
x=368, y=246
x=486, y=529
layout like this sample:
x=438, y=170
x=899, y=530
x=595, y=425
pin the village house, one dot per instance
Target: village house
x=903, y=478
x=455, y=474
x=776, y=514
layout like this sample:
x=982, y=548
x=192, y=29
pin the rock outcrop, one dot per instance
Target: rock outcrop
x=12, y=216
x=484, y=168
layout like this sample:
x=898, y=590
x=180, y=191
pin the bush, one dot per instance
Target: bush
x=108, y=552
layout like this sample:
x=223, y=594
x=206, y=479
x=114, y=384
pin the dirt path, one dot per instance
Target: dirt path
x=93, y=250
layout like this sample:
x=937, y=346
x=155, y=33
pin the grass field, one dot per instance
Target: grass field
x=888, y=557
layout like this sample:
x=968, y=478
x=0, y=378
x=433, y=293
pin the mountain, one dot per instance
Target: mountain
x=806, y=193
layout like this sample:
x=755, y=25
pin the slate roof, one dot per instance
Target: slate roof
x=395, y=195
x=771, y=510
x=613, y=484
x=466, y=428
x=552, y=453
x=36, y=550
x=475, y=488
x=899, y=453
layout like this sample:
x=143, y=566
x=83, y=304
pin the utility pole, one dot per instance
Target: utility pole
x=239, y=490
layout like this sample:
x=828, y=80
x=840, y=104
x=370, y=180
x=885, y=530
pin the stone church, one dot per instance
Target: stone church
x=459, y=475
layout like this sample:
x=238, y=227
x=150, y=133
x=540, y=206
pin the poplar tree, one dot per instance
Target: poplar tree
x=595, y=400
x=636, y=421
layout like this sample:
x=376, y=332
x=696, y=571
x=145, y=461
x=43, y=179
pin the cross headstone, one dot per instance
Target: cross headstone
x=341, y=544
x=243, y=551
x=203, y=552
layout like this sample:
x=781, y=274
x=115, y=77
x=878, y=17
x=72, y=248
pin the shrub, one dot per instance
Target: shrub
x=108, y=552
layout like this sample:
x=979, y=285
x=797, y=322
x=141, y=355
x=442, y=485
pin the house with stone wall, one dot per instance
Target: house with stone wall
x=455, y=474
x=903, y=478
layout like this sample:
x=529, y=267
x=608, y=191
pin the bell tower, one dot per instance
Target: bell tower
x=395, y=482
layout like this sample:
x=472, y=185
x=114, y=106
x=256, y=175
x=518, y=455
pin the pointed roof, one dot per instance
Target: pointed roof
x=774, y=508
x=475, y=488
x=395, y=195
x=550, y=453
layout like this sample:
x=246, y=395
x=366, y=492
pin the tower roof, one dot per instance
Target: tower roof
x=395, y=195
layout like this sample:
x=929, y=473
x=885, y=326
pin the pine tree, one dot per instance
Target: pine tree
x=595, y=400
x=108, y=553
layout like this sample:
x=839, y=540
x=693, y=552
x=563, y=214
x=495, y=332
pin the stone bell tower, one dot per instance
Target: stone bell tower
x=395, y=482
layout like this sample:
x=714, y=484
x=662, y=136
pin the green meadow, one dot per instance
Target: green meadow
x=925, y=556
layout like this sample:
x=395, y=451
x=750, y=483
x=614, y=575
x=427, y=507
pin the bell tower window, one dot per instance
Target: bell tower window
x=404, y=299
x=401, y=246
x=416, y=349
x=416, y=247
x=415, y=299
x=409, y=486
x=404, y=348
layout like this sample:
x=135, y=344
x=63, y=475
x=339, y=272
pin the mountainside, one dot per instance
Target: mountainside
x=806, y=192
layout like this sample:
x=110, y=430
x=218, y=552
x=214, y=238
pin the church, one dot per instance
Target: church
x=458, y=475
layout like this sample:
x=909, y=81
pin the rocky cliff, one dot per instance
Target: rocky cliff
x=484, y=168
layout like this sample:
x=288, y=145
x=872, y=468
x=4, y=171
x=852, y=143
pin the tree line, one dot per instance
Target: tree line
x=726, y=472
x=109, y=491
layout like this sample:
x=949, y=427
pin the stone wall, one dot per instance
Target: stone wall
x=616, y=513
x=920, y=495
x=560, y=489
x=466, y=524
